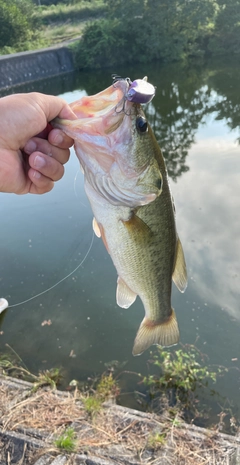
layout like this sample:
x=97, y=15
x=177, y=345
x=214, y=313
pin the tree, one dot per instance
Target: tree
x=146, y=30
x=226, y=37
x=15, y=22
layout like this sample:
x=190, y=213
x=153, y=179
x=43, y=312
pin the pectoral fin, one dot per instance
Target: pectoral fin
x=138, y=226
x=165, y=334
x=180, y=271
x=96, y=228
x=99, y=231
x=124, y=295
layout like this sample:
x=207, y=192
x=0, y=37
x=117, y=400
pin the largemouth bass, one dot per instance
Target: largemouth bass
x=127, y=185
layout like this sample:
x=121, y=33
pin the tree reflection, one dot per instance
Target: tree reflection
x=225, y=80
x=176, y=112
x=182, y=102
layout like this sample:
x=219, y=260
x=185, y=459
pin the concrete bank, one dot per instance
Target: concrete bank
x=31, y=421
x=20, y=68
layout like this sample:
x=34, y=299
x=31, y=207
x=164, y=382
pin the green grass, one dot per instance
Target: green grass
x=61, y=13
x=181, y=376
x=66, y=441
x=62, y=32
x=157, y=440
x=58, y=23
x=104, y=389
x=92, y=404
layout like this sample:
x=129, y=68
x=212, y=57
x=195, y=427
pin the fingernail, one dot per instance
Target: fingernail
x=37, y=175
x=30, y=146
x=39, y=162
x=58, y=139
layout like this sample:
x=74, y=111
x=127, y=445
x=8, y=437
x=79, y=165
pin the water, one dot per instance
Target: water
x=196, y=118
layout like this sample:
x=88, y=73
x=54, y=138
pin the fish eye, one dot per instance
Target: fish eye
x=141, y=124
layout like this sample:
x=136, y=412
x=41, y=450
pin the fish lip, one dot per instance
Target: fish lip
x=105, y=101
x=91, y=110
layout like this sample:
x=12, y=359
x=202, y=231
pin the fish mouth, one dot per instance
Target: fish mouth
x=100, y=113
x=103, y=140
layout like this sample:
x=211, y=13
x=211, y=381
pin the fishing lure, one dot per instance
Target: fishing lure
x=140, y=90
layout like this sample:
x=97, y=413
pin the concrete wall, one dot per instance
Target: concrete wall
x=24, y=67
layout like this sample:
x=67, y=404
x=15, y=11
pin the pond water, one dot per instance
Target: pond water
x=196, y=117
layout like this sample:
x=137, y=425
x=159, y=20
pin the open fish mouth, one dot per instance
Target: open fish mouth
x=105, y=139
x=92, y=110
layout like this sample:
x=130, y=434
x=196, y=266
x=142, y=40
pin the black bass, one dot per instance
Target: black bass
x=127, y=185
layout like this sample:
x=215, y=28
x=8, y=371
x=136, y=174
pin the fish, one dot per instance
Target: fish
x=126, y=182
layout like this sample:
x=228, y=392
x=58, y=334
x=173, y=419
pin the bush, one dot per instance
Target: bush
x=141, y=31
x=97, y=48
x=226, y=35
x=180, y=377
x=15, y=22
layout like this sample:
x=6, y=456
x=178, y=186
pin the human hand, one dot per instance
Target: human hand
x=32, y=154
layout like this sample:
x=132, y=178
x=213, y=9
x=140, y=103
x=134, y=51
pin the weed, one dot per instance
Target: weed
x=156, y=440
x=92, y=404
x=103, y=389
x=50, y=378
x=180, y=374
x=66, y=441
x=5, y=363
x=12, y=365
x=107, y=387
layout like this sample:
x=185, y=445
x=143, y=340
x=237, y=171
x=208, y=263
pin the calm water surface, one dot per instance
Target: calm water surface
x=196, y=118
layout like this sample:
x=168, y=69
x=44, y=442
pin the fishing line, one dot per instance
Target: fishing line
x=4, y=301
x=75, y=182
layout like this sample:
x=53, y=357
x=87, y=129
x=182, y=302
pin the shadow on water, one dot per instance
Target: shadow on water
x=195, y=116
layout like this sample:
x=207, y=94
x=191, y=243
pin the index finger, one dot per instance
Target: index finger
x=55, y=106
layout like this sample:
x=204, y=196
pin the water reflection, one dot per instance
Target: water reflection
x=183, y=101
x=213, y=203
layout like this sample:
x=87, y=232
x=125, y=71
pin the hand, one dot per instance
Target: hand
x=32, y=154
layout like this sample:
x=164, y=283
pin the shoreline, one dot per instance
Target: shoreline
x=30, y=422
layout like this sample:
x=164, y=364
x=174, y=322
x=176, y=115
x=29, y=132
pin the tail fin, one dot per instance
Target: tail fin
x=164, y=334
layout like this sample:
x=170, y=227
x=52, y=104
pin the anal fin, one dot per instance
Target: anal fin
x=124, y=295
x=165, y=334
x=180, y=270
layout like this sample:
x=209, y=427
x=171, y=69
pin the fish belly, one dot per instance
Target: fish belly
x=142, y=245
x=137, y=247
